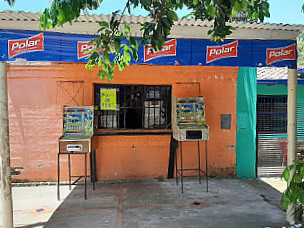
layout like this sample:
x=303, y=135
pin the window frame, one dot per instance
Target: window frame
x=275, y=124
x=124, y=103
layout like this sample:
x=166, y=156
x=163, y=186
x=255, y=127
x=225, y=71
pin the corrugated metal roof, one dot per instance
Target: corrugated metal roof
x=184, y=28
x=272, y=73
x=30, y=16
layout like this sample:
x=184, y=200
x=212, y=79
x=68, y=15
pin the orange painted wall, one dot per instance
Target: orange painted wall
x=37, y=93
x=132, y=157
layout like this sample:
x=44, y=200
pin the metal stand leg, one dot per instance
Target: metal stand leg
x=69, y=163
x=206, y=164
x=180, y=172
x=58, y=177
x=176, y=168
x=85, y=176
x=199, y=161
x=93, y=169
x=182, y=175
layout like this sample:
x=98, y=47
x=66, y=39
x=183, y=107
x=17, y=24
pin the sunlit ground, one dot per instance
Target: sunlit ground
x=275, y=182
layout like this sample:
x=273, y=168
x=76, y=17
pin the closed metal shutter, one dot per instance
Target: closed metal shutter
x=270, y=154
x=272, y=134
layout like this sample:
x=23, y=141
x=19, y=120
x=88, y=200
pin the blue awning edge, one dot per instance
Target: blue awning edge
x=278, y=82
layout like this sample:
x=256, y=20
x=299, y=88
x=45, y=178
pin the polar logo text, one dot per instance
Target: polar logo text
x=85, y=49
x=169, y=49
x=30, y=44
x=223, y=51
x=282, y=53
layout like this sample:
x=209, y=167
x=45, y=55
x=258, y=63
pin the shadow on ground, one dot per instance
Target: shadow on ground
x=160, y=203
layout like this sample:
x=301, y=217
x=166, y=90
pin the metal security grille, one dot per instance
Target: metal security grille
x=272, y=114
x=271, y=134
x=138, y=107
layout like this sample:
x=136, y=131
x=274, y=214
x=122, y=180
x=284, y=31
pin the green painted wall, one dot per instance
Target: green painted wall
x=283, y=90
x=280, y=90
x=246, y=123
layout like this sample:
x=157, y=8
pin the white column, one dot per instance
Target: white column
x=6, y=188
x=291, y=130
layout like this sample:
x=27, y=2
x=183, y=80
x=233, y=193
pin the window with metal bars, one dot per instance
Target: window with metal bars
x=272, y=114
x=138, y=107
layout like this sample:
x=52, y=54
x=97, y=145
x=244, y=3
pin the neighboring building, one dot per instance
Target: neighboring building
x=47, y=70
x=272, y=120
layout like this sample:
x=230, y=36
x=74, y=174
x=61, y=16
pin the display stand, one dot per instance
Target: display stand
x=76, y=140
x=188, y=124
x=180, y=172
x=85, y=176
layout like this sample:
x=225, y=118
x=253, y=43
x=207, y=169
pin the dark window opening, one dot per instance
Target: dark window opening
x=272, y=114
x=138, y=107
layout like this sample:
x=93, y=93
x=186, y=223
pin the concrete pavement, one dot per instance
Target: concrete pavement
x=151, y=203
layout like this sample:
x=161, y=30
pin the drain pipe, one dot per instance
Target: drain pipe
x=291, y=131
x=6, y=188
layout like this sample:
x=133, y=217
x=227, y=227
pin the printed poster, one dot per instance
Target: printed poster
x=108, y=99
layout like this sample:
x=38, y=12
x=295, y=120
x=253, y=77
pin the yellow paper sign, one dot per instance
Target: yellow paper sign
x=108, y=99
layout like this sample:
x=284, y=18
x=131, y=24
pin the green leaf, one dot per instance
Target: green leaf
x=244, y=5
x=146, y=2
x=107, y=60
x=135, y=55
x=255, y=16
x=210, y=32
x=117, y=43
x=302, y=172
x=166, y=22
x=237, y=6
x=297, y=178
x=127, y=28
x=103, y=24
x=120, y=67
x=298, y=161
x=285, y=201
x=211, y=11
x=108, y=32
x=172, y=16
x=102, y=74
x=286, y=174
x=127, y=57
x=133, y=41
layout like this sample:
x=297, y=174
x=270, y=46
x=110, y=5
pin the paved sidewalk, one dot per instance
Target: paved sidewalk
x=153, y=203
x=276, y=182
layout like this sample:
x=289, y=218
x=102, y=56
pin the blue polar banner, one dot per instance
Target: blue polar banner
x=60, y=47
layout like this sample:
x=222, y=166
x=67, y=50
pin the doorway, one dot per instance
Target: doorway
x=271, y=134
